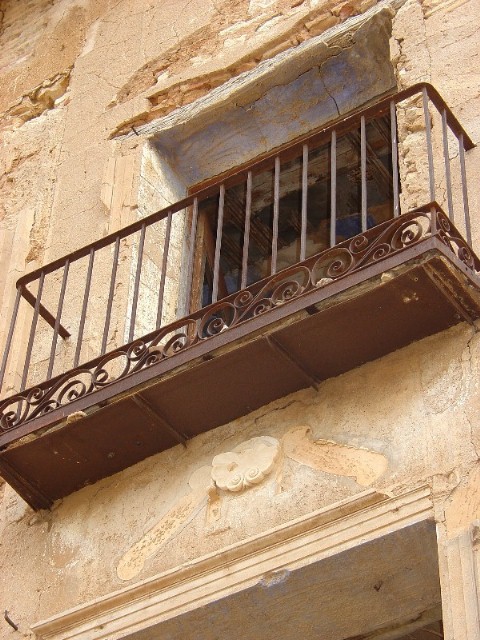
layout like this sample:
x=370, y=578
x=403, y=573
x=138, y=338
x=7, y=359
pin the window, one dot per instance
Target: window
x=249, y=254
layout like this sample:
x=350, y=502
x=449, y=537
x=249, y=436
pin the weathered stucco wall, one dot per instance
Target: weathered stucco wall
x=76, y=74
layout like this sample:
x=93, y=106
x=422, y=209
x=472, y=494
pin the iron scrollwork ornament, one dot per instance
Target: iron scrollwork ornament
x=320, y=270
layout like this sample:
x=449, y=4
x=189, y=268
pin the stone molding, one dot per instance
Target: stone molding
x=247, y=465
x=326, y=532
x=460, y=569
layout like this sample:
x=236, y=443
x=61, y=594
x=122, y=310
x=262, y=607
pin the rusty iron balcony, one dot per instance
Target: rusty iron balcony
x=323, y=255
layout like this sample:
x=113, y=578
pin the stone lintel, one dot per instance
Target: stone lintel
x=352, y=522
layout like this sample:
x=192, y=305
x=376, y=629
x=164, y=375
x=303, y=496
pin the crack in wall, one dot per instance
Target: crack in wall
x=34, y=538
x=475, y=331
x=178, y=56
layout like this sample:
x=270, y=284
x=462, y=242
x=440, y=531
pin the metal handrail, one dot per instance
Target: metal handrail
x=299, y=148
x=315, y=139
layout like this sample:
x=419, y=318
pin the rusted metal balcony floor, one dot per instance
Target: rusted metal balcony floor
x=397, y=283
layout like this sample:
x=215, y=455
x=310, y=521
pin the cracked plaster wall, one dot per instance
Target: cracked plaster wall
x=74, y=73
x=398, y=420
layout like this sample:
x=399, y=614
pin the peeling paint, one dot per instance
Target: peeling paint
x=330, y=457
x=44, y=97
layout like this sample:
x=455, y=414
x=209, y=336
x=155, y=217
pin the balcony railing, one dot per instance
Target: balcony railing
x=293, y=232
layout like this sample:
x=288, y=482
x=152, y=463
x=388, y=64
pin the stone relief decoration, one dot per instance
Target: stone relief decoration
x=169, y=526
x=331, y=457
x=246, y=466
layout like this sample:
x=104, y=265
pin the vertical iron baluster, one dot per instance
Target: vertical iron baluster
x=428, y=135
x=466, y=207
x=218, y=243
x=111, y=293
x=61, y=299
x=11, y=330
x=303, y=232
x=193, y=233
x=246, y=232
x=333, y=189
x=163, y=276
x=446, y=157
x=395, y=176
x=137, y=282
x=276, y=210
x=84, y=307
x=363, y=170
x=33, y=328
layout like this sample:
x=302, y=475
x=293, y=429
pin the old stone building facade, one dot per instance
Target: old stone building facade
x=309, y=469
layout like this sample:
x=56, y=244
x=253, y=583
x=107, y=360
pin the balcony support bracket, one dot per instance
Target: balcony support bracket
x=286, y=355
x=443, y=285
x=154, y=415
x=29, y=492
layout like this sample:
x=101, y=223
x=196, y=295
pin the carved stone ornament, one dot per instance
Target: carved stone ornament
x=247, y=465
